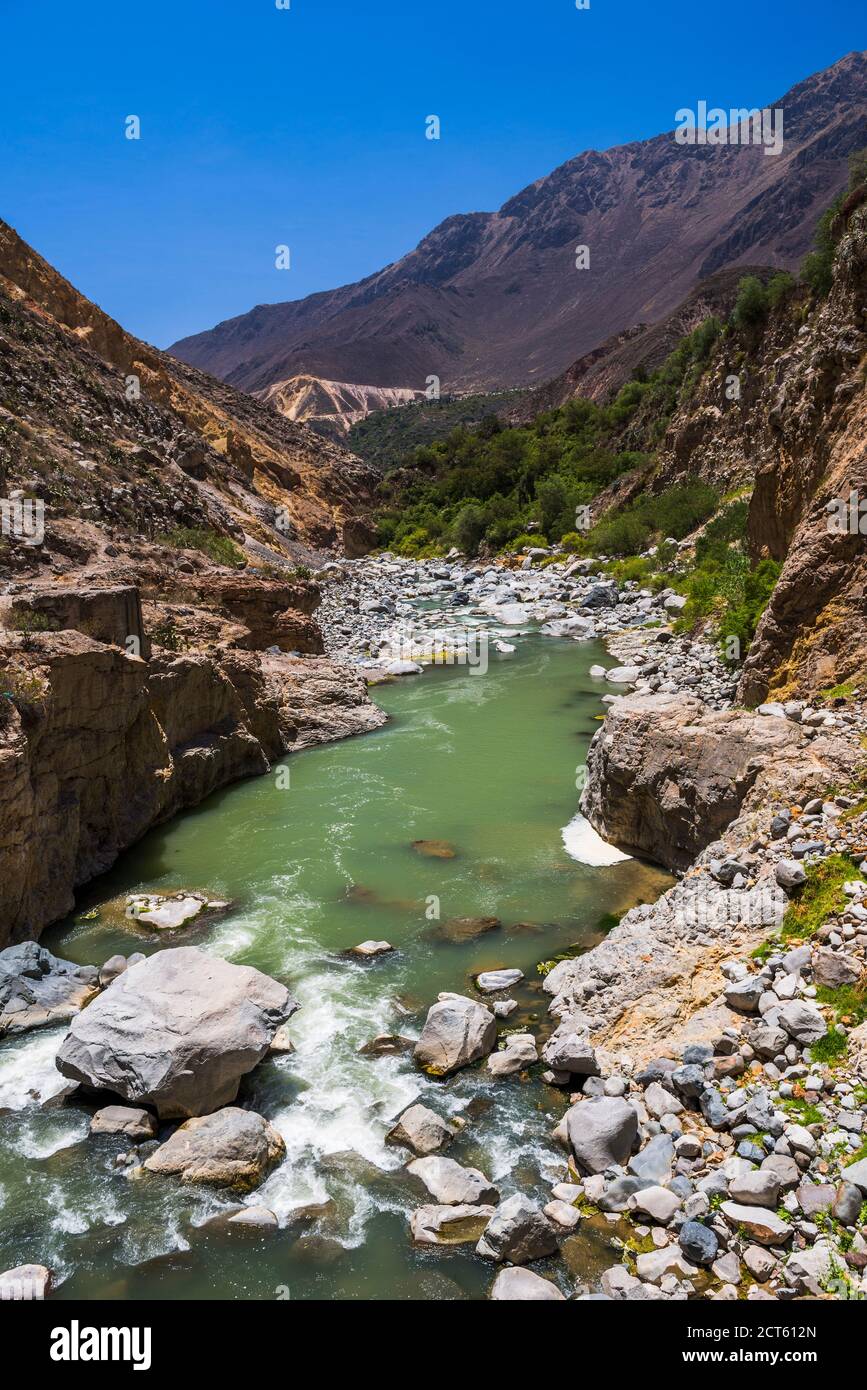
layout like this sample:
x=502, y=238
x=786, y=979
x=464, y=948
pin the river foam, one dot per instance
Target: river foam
x=581, y=842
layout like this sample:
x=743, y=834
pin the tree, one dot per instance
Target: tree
x=468, y=528
x=751, y=305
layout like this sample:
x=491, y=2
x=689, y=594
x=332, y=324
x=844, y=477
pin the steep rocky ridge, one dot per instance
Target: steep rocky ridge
x=489, y=300
x=186, y=450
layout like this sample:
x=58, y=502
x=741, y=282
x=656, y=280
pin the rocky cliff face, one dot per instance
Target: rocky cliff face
x=490, y=300
x=97, y=746
x=667, y=775
x=696, y=790
x=794, y=439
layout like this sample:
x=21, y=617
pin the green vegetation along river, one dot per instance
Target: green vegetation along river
x=486, y=763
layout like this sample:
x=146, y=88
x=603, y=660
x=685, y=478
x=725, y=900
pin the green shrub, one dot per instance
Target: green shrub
x=29, y=620
x=779, y=287
x=23, y=689
x=220, y=549
x=674, y=513
x=469, y=528
x=751, y=305
x=573, y=541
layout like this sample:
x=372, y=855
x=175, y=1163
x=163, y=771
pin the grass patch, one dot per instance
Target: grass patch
x=832, y=1048
x=821, y=897
x=806, y=1113
x=220, y=549
x=844, y=691
x=857, y=1156
x=766, y=949
x=849, y=1002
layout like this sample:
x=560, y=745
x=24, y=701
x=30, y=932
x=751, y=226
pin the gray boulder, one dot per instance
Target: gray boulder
x=37, y=989
x=518, y=1053
x=602, y=1132
x=760, y=1188
x=437, y=1225
x=129, y=1121
x=518, y=1232
x=421, y=1130
x=457, y=1032
x=698, y=1242
x=654, y=1162
x=802, y=1021
x=857, y=1173
x=744, y=995
x=177, y=1031
x=835, y=968
x=232, y=1148
x=569, y=1049
x=517, y=1285
x=452, y=1185
x=790, y=874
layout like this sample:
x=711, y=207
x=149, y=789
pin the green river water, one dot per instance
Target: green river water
x=485, y=762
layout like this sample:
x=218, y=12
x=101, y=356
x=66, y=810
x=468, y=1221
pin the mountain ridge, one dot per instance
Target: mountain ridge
x=491, y=300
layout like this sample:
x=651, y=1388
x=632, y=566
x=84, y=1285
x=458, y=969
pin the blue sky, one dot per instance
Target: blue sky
x=263, y=126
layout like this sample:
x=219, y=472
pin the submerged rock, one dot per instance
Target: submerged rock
x=458, y=929
x=434, y=849
x=492, y=981
x=386, y=1045
x=171, y=913
x=177, y=1031
x=231, y=1148
x=457, y=1032
x=369, y=950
